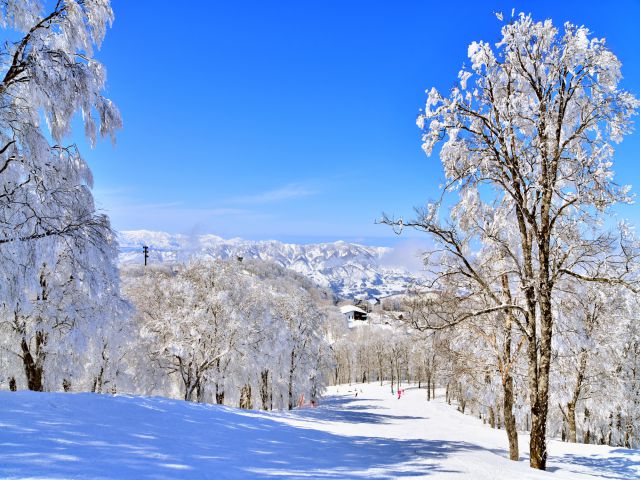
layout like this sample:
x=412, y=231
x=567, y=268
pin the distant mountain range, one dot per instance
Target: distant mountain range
x=349, y=269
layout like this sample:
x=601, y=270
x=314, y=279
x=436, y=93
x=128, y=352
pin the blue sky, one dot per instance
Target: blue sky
x=296, y=120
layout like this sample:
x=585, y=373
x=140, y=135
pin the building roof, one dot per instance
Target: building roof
x=351, y=308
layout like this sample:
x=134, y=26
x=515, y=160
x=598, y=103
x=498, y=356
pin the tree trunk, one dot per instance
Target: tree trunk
x=586, y=438
x=200, y=392
x=510, y=419
x=507, y=377
x=432, y=374
x=219, y=394
x=264, y=389
x=571, y=406
x=33, y=367
x=97, y=381
x=190, y=388
x=291, y=371
x=571, y=422
x=540, y=350
x=539, y=387
x=392, y=380
x=245, y=397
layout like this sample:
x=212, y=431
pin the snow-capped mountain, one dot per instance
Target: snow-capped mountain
x=349, y=269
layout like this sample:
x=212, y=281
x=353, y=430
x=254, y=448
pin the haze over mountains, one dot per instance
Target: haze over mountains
x=350, y=270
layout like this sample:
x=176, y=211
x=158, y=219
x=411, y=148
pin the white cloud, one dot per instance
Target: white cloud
x=288, y=192
x=407, y=254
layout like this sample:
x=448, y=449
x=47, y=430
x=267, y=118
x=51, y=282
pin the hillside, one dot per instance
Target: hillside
x=88, y=436
x=349, y=269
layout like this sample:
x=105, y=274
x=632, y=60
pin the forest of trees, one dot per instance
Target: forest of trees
x=594, y=394
x=528, y=317
x=248, y=334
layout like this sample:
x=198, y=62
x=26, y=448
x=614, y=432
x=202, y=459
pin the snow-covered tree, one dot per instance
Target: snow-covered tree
x=55, y=249
x=528, y=142
x=53, y=331
x=628, y=378
x=591, y=367
x=239, y=333
x=189, y=318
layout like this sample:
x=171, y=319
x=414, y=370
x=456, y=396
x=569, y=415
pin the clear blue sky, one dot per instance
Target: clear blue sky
x=296, y=120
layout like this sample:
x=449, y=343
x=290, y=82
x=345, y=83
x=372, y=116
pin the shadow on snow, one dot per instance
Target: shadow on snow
x=95, y=436
x=617, y=465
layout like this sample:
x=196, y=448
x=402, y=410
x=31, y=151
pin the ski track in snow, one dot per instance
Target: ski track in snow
x=377, y=436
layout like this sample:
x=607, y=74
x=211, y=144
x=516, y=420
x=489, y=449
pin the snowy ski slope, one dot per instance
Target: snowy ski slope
x=87, y=436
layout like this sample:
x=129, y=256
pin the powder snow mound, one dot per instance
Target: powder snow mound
x=350, y=270
x=371, y=436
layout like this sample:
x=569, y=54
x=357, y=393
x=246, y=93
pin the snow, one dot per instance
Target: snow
x=373, y=435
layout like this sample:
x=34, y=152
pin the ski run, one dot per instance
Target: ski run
x=372, y=435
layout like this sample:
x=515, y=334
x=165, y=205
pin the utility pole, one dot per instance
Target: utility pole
x=145, y=251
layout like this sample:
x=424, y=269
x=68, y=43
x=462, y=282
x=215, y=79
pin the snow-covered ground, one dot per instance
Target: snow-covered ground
x=66, y=436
